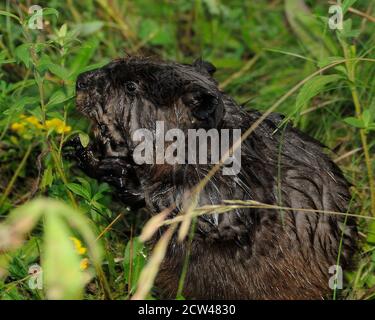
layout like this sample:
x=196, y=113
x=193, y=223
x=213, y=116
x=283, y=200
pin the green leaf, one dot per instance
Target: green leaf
x=329, y=60
x=313, y=88
x=342, y=70
x=4, y=267
x=373, y=259
x=347, y=4
x=3, y=58
x=22, y=258
x=8, y=14
x=85, y=184
x=59, y=71
x=134, y=261
x=20, y=105
x=84, y=55
x=371, y=233
x=88, y=28
x=84, y=138
x=22, y=53
x=50, y=11
x=79, y=190
x=44, y=62
x=47, y=178
x=63, y=31
x=347, y=31
x=352, y=34
x=97, y=205
x=104, y=187
x=354, y=122
x=366, y=116
x=95, y=65
x=58, y=97
x=96, y=197
x=370, y=279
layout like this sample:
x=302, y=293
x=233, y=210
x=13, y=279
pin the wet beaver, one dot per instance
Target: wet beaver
x=252, y=253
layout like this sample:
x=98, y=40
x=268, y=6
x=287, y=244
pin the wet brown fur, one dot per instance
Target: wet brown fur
x=242, y=254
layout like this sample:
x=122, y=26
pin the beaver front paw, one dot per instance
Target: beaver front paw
x=85, y=158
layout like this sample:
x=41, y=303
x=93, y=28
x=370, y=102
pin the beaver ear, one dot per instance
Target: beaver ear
x=204, y=67
x=205, y=106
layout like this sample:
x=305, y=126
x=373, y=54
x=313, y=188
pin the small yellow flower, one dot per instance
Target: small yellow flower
x=78, y=246
x=31, y=122
x=57, y=125
x=34, y=121
x=53, y=123
x=84, y=264
x=63, y=129
x=17, y=127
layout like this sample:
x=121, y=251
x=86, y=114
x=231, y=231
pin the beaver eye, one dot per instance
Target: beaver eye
x=131, y=86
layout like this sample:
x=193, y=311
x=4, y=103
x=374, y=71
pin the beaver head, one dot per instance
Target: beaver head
x=133, y=93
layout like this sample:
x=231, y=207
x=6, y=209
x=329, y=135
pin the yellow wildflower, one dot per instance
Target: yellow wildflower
x=84, y=264
x=18, y=127
x=34, y=121
x=57, y=125
x=31, y=122
x=53, y=123
x=78, y=246
x=64, y=129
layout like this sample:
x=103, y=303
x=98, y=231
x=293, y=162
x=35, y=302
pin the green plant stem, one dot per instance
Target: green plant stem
x=103, y=282
x=16, y=174
x=9, y=30
x=350, y=66
x=62, y=175
x=55, y=156
x=186, y=261
x=63, y=133
x=365, y=146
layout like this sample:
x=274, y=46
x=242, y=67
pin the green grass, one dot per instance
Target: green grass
x=265, y=52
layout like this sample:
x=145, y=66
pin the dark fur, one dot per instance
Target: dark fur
x=243, y=254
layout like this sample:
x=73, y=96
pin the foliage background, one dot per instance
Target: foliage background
x=262, y=49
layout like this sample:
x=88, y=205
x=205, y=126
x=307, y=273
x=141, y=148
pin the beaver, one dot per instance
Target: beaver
x=246, y=253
